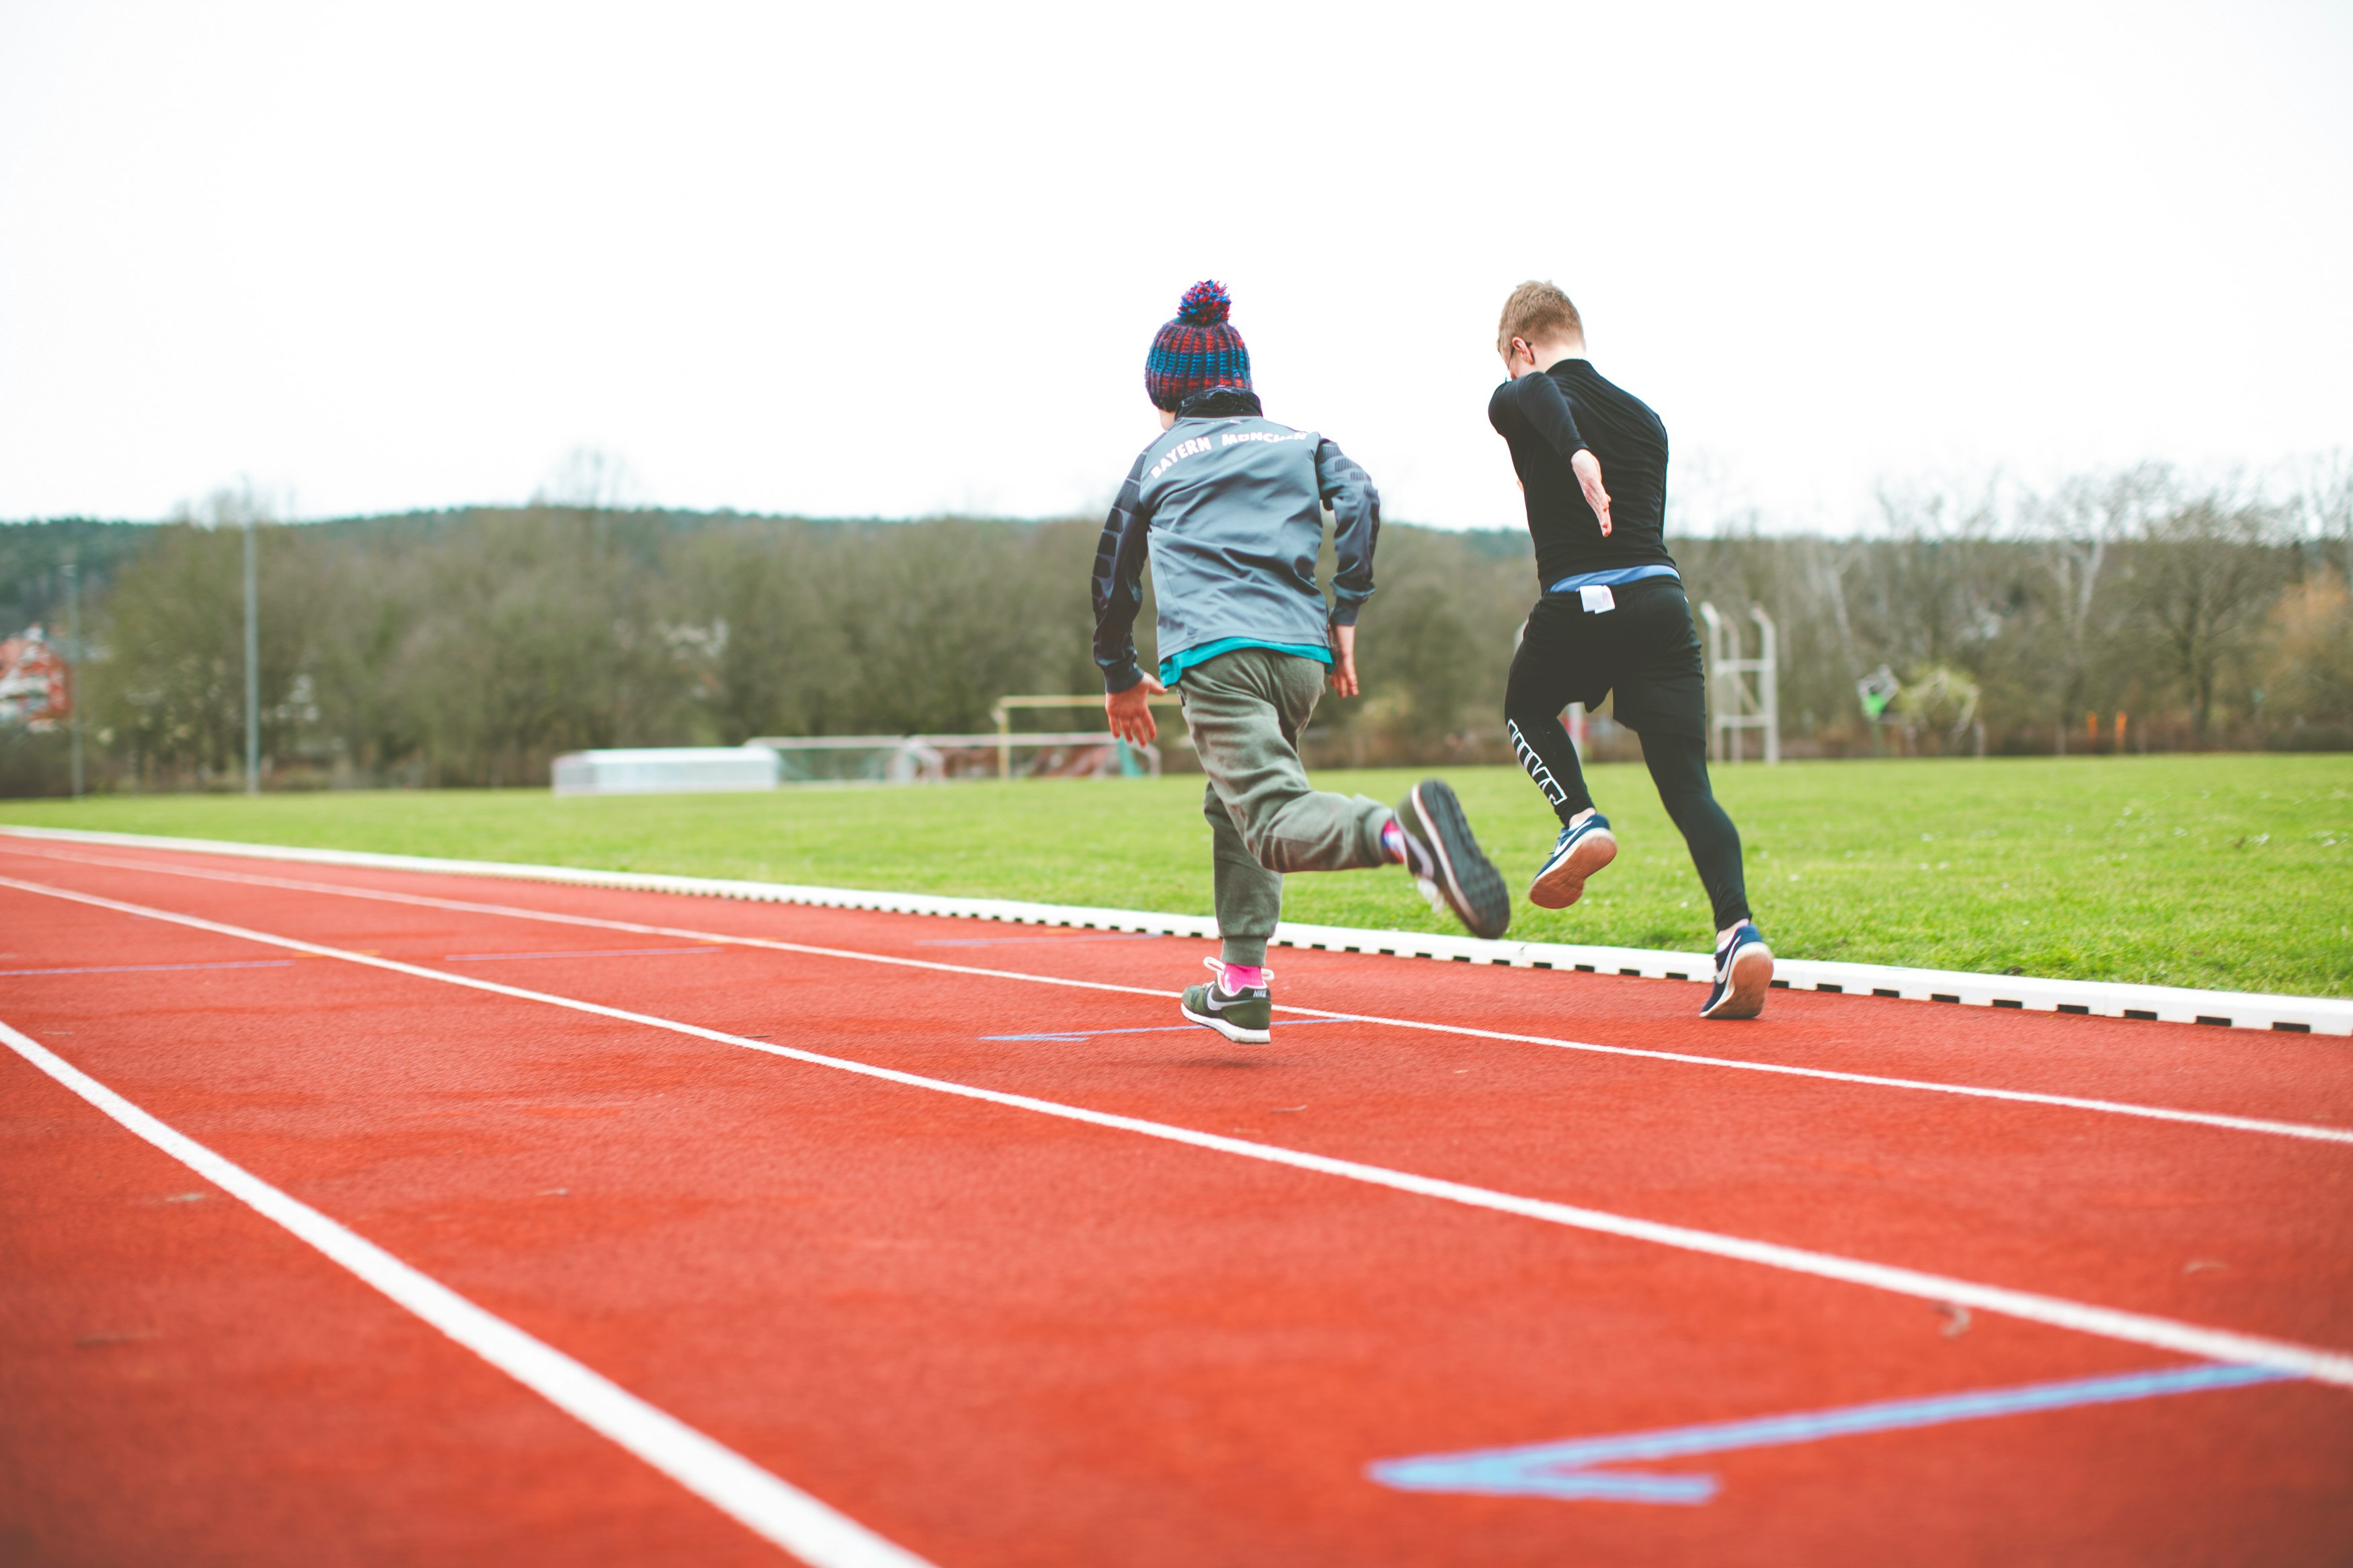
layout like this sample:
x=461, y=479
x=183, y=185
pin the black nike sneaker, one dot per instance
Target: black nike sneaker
x=1744, y=975
x=1246, y=1015
x=1446, y=861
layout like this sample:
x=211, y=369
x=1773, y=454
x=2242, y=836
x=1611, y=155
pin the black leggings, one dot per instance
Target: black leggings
x=1647, y=650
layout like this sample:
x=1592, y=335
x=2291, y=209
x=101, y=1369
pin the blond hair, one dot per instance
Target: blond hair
x=1538, y=311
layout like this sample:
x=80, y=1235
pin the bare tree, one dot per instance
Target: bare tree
x=2311, y=674
x=770, y=661
x=2204, y=577
x=174, y=684
x=1942, y=591
x=2072, y=530
x=591, y=479
x=1828, y=564
x=467, y=645
x=2320, y=506
x=535, y=634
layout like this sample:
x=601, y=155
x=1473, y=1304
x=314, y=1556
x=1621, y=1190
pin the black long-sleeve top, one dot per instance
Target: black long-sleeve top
x=1547, y=420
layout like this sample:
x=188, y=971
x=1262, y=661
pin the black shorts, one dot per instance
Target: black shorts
x=1645, y=650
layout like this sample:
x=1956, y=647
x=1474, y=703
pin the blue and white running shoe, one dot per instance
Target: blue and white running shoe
x=1744, y=972
x=1582, y=850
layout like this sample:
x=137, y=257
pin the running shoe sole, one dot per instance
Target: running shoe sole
x=1752, y=981
x=1234, y=1032
x=1559, y=886
x=1467, y=881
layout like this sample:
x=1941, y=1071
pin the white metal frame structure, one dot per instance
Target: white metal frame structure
x=924, y=759
x=664, y=770
x=1001, y=710
x=1742, y=693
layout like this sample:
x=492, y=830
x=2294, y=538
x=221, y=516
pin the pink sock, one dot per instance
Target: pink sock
x=1393, y=841
x=1244, y=977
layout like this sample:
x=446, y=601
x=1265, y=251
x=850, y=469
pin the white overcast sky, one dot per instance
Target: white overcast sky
x=894, y=260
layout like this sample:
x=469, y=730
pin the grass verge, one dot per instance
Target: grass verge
x=2231, y=872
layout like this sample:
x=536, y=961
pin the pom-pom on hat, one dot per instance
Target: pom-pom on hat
x=1199, y=350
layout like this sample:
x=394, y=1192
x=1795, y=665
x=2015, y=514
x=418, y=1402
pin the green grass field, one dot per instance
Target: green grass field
x=2231, y=872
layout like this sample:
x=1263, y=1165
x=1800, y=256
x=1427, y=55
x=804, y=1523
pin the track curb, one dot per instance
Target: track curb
x=2096, y=998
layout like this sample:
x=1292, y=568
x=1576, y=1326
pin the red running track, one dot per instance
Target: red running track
x=999, y=1337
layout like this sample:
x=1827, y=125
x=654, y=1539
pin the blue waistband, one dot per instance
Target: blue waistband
x=1173, y=669
x=1611, y=578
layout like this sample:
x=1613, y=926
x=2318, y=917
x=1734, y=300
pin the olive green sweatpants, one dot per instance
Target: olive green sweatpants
x=1245, y=709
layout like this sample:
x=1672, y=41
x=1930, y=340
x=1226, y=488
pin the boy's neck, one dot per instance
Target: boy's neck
x=1543, y=356
x=1214, y=403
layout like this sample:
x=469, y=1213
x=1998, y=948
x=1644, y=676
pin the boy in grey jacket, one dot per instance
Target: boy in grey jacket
x=1228, y=506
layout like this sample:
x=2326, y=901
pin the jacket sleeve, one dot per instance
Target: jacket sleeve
x=1118, y=585
x=1357, y=528
x=1538, y=400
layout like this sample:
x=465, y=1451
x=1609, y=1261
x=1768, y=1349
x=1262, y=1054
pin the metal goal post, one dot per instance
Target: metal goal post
x=932, y=759
x=1004, y=708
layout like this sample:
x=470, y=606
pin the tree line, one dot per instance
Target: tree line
x=471, y=646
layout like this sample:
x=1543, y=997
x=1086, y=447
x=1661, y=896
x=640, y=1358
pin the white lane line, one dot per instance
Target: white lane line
x=773, y=1509
x=151, y=968
x=573, y=953
x=464, y=906
x=2057, y=1312
x=2307, y=1131
x=2101, y=998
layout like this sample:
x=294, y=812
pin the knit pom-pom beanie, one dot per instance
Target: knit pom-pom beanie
x=1199, y=350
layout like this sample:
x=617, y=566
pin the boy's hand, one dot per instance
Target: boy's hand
x=1130, y=711
x=1344, y=661
x=1587, y=469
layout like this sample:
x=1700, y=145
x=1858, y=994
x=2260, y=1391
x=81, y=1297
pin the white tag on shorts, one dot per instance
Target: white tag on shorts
x=1598, y=598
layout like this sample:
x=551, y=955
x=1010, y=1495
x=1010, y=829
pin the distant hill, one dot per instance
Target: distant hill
x=32, y=589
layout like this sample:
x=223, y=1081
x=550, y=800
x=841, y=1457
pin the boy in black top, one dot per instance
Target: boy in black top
x=1613, y=617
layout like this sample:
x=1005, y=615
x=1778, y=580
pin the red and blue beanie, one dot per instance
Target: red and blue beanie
x=1197, y=351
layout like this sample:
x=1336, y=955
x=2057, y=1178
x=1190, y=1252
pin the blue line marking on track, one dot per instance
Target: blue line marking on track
x=573, y=953
x=1157, y=1029
x=150, y=968
x=1566, y=1469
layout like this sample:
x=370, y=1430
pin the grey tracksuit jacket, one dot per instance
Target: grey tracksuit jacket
x=1229, y=506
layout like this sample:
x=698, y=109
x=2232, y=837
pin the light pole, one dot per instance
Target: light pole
x=252, y=668
x=73, y=663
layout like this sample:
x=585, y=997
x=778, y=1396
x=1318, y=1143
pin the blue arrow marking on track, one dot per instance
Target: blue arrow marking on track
x=1566, y=1469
